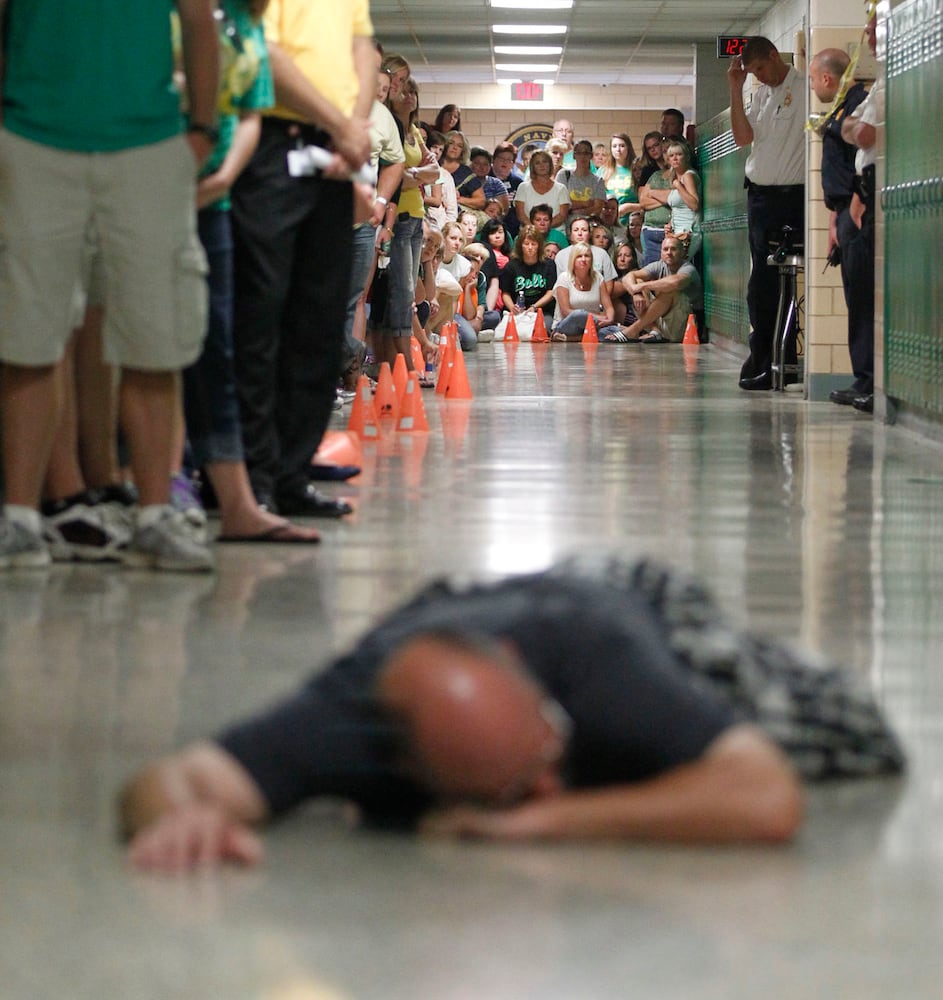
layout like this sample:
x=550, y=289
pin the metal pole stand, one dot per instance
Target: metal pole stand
x=787, y=316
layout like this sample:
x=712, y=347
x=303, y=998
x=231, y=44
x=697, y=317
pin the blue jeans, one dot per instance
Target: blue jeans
x=364, y=238
x=651, y=244
x=574, y=324
x=402, y=274
x=466, y=334
x=211, y=408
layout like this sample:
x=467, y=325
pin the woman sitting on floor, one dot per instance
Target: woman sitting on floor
x=527, y=284
x=581, y=292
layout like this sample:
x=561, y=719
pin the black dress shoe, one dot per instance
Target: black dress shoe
x=864, y=403
x=844, y=397
x=308, y=502
x=762, y=381
x=332, y=473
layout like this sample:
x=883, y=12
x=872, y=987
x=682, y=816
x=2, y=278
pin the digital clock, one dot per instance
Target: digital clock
x=729, y=46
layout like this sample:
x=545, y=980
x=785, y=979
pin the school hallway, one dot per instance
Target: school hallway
x=808, y=520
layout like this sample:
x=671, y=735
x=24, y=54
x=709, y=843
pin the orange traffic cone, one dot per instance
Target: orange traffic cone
x=540, y=329
x=412, y=413
x=419, y=362
x=590, y=336
x=445, y=366
x=400, y=376
x=339, y=448
x=385, y=399
x=363, y=412
x=690, y=332
x=510, y=333
x=457, y=386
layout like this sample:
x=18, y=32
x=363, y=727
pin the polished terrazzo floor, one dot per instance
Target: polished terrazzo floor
x=810, y=520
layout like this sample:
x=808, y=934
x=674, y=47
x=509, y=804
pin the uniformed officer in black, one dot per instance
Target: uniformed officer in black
x=855, y=246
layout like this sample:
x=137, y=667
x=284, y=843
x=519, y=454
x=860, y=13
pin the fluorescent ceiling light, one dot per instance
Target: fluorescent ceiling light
x=526, y=67
x=533, y=4
x=528, y=50
x=529, y=29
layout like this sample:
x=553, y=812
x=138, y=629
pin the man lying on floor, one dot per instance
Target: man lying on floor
x=587, y=701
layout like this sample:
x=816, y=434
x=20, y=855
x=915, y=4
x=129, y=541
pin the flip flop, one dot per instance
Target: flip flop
x=282, y=534
x=652, y=338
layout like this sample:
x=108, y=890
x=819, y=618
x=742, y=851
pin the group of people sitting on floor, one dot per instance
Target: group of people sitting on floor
x=565, y=230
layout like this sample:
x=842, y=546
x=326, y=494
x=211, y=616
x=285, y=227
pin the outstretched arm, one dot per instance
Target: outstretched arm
x=193, y=807
x=741, y=790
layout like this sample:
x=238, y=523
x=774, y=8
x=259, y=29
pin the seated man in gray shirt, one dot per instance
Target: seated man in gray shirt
x=592, y=700
x=664, y=293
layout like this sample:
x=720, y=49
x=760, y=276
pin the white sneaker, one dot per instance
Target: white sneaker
x=76, y=528
x=21, y=548
x=168, y=544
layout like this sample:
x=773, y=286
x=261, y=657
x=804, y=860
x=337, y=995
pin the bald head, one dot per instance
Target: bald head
x=477, y=726
x=825, y=73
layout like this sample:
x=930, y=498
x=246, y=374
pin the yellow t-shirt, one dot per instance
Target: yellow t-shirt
x=411, y=200
x=318, y=35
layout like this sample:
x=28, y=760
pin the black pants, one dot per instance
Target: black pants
x=857, y=273
x=292, y=238
x=768, y=210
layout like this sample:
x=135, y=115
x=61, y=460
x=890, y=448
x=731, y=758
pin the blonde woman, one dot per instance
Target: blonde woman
x=469, y=191
x=542, y=189
x=683, y=196
x=581, y=292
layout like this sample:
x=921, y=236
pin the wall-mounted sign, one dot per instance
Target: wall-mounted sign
x=527, y=91
x=730, y=45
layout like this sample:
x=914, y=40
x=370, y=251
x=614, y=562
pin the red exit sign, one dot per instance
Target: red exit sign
x=527, y=91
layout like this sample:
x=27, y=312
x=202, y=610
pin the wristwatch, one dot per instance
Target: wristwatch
x=209, y=132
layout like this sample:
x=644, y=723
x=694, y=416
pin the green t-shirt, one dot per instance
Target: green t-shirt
x=619, y=186
x=90, y=77
x=245, y=83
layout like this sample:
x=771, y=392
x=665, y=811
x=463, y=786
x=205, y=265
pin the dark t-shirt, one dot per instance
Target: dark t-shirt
x=532, y=279
x=467, y=182
x=599, y=650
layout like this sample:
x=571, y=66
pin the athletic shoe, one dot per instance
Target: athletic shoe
x=168, y=544
x=185, y=498
x=75, y=528
x=116, y=506
x=21, y=548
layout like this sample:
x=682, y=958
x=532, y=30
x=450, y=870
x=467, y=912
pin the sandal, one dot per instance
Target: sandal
x=652, y=337
x=560, y=338
x=616, y=337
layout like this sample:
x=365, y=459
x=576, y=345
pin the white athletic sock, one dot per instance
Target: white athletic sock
x=26, y=516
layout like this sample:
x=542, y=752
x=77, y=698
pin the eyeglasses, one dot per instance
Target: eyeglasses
x=552, y=751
